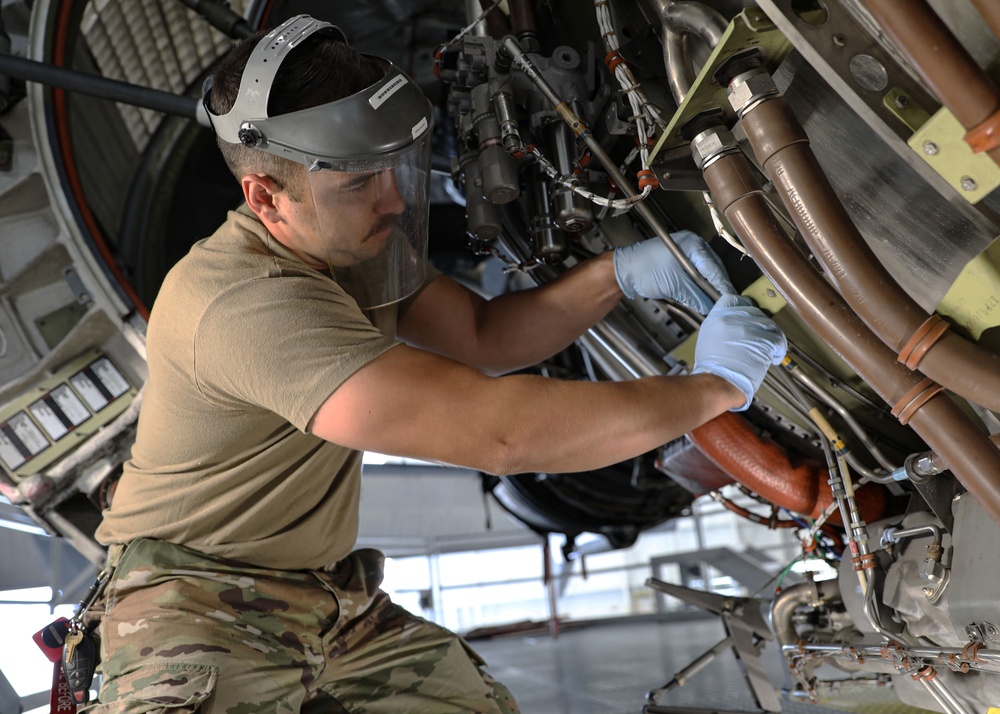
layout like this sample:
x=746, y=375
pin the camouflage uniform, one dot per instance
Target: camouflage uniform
x=183, y=632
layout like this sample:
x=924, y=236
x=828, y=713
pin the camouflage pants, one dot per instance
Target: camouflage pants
x=183, y=632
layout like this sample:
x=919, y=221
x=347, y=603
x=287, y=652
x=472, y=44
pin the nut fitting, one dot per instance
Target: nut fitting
x=712, y=144
x=749, y=89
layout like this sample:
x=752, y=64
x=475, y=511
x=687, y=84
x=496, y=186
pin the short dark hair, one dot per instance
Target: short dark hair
x=321, y=69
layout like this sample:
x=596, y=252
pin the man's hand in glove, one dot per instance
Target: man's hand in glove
x=738, y=342
x=650, y=270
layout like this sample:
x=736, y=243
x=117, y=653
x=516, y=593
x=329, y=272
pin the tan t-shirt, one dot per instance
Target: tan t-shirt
x=245, y=342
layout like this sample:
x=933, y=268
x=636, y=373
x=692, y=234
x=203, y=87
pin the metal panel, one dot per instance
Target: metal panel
x=906, y=221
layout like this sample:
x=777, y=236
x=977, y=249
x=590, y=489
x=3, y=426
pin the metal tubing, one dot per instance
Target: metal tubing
x=859, y=431
x=928, y=463
x=497, y=24
x=101, y=87
x=945, y=697
x=940, y=59
x=697, y=19
x=939, y=422
x=782, y=608
x=581, y=130
x=782, y=148
x=897, y=534
x=876, y=652
x=677, y=61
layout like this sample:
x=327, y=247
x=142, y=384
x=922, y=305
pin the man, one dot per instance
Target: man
x=305, y=331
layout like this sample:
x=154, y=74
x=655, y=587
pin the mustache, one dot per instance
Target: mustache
x=385, y=223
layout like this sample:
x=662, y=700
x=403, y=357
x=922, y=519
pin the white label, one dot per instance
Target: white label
x=70, y=404
x=29, y=434
x=111, y=378
x=378, y=99
x=419, y=128
x=86, y=389
x=9, y=453
x=48, y=420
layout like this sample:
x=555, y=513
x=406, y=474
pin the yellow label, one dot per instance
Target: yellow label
x=973, y=301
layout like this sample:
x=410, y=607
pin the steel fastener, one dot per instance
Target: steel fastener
x=930, y=148
x=749, y=88
x=969, y=183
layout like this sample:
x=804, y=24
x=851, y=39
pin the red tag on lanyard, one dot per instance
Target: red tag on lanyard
x=61, y=699
x=50, y=641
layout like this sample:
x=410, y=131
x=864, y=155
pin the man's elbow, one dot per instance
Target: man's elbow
x=506, y=453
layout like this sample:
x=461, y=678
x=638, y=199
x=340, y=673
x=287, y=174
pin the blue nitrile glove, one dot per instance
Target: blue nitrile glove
x=738, y=342
x=649, y=269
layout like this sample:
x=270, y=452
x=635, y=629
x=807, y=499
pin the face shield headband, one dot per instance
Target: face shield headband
x=350, y=134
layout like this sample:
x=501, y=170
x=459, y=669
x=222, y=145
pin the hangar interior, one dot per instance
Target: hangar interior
x=831, y=547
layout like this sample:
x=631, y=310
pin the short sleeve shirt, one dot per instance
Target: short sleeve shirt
x=245, y=343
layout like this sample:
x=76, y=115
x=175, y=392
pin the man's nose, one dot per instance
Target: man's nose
x=389, y=199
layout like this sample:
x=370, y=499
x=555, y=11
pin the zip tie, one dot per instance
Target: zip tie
x=922, y=340
x=914, y=399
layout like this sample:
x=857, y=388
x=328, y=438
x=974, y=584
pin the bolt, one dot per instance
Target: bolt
x=771, y=293
x=930, y=148
x=839, y=40
x=902, y=101
x=969, y=183
x=928, y=592
x=991, y=630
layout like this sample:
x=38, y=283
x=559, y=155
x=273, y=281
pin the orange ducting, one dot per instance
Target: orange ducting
x=764, y=467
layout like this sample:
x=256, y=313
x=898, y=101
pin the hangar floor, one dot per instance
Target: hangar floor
x=608, y=668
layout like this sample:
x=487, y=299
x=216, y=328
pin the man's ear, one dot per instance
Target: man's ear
x=261, y=194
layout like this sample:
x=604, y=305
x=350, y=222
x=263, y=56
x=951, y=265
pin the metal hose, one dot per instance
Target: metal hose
x=945, y=66
x=679, y=21
x=782, y=148
x=937, y=420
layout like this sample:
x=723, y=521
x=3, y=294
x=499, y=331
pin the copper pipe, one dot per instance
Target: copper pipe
x=990, y=10
x=756, y=518
x=764, y=467
x=938, y=421
x=782, y=148
x=945, y=66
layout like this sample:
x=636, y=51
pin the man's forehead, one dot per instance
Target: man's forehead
x=346, y=179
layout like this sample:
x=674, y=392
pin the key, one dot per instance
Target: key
x=79, y=664
x=73, y=638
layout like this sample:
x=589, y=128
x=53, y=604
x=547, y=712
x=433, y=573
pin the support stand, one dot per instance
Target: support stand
x=746, y=633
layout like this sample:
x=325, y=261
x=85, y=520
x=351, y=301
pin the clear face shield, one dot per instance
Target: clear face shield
x=371, y=224
x=368, y=166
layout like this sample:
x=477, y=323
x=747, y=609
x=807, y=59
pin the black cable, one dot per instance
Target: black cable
x=97, y=86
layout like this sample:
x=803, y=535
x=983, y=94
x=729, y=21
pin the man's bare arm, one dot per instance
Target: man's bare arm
x=409, y=402
x=514, y=330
